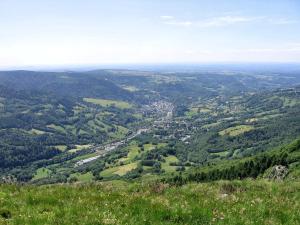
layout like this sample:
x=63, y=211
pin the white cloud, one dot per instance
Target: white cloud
x=211, y=22
x=167, y=17
x=223, y=21
x=180, y=23
x=282, y=21
x=227, y=20
x=284, y=48
x=288, y=47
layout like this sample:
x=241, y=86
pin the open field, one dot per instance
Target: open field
x=148, y=147
x=61, y=147
x=106, y=103
x=133, y=152
x=118, y=170
x=57, y=128
x=130, y=88
x=83, y=177
x=36, y=131
x=236, y=202
x=79, y=148
x=166, y=165
x=42, y=173
x=237, y=130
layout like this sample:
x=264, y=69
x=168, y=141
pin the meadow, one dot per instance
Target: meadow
x=222, y=202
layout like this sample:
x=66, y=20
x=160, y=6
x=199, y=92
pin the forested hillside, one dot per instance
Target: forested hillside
x=251, y=167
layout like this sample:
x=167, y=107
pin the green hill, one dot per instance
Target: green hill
x=251, y=167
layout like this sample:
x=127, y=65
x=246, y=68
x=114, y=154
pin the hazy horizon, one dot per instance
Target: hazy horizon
x=167, y=67
x=66, y=34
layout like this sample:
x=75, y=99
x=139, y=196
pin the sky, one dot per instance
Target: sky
x=92, y=32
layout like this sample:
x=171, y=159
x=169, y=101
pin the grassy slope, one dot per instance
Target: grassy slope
x=235, y=202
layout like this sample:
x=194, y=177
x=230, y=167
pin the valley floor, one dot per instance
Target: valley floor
x=222, y=202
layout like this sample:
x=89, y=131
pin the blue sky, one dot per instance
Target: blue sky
x=68, y=32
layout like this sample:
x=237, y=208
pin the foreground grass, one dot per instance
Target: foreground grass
x=237, y=202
